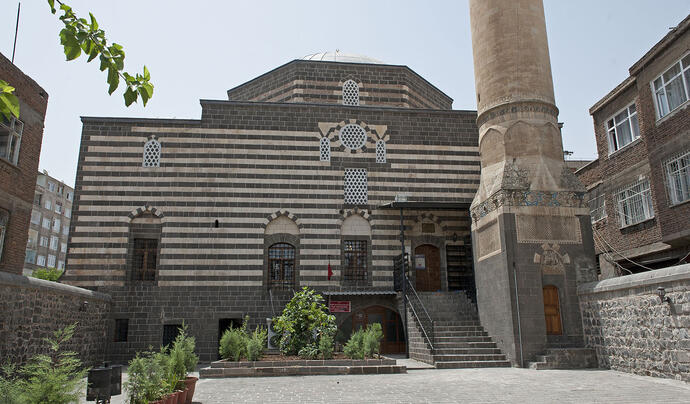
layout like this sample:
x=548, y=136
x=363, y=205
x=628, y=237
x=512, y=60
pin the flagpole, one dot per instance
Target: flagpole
x=16, y=30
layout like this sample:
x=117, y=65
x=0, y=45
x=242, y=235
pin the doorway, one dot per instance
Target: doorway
x=429, y=278
x=393, y=332
x=552, y=311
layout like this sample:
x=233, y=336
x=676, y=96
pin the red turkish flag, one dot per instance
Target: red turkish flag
x=330, y=271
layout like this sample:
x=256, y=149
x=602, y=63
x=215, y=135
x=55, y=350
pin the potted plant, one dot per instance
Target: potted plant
x=183, y=360
x=146, y=378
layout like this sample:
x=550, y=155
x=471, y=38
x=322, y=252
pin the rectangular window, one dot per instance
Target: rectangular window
x=41, y=260
x=677, y=172
x=69, y=196
x=121, y=330
x=65, y=229
x=54, y=242
x=30, y=257
x=35, y=217
x=10, y=139
x=597, y=204
x=671, y=88
x=635, y=203
x=51, y=186
x=68, y=213
x=63, y=247
x=37, y=199
x=43, y=242
x=60, y=188
x=33, y=238
x=623, y=128
x=170, y=332
x=355, y=260
x=144, y=259
x=46, y=223
x=61, y=265
x=58, y=207
x=51, y=261
x=56, y=225
x=47, y=204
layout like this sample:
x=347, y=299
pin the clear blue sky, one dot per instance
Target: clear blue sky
x=202, y=48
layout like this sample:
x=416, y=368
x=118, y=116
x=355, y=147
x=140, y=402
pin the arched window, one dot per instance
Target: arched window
x=350, y=93
x=325, y=149
x=380, y=151
x=281, y=264
x=152, y=154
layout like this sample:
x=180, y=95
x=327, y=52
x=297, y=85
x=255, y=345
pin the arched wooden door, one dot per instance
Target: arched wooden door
x=429, y=278
x=552, y=311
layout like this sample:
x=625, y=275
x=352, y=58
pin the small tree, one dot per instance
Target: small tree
x=50, y=274
x=303, y=320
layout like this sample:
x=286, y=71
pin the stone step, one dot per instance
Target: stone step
x=472, y=364
x=445, y=323
x=464, y=345
x=467, y=358
x=470, y=338
x=453, y=328
x=468, y=351
x=441, y=334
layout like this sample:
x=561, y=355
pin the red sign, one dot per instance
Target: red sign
x=339, y=306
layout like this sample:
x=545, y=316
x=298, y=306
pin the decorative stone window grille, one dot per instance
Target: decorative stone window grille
x=635, y=203
x=281, y=264
x=672, y=87
x=380, y=151
x=152, y=154
x=677, y=172
x=10, y=139
x=597, y=205
x=353, y=136
x=325, y=149
x=623, y=128
x=350, y=93
x=355, y=260
x=356, y=186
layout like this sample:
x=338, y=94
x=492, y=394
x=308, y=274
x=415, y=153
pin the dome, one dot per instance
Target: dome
x=338, y=56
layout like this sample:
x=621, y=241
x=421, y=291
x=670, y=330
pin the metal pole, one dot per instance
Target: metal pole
x=404, y=282
x=16, y=29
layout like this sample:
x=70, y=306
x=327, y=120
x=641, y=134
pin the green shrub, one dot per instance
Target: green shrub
x=310, y=351
x=56, y=377
x=256, y=344
x=10, y=389
x=50, y=274
x=372, y=340
x=354, y=348
x=233, y=344
x=304, y=317
x=147, y=377
x=326, y=347
x=182, y=356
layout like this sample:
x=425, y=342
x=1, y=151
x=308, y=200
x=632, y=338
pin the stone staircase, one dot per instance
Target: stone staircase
x=459, y=340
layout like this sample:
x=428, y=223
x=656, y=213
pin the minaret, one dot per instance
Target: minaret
x=531, y=231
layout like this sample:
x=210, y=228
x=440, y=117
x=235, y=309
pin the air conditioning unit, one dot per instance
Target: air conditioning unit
x=273, y=336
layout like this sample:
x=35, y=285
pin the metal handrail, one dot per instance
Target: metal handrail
x=429, y=338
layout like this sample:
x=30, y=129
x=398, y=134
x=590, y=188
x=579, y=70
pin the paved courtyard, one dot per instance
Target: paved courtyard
x=449, y=386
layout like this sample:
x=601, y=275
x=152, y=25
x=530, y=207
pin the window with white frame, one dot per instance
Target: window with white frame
x=61, y=265
x=353, y=136
x=152, y=154
x=56, y=225
x=356, y=186
x=597, y=204
x=41, y=260
x=51, y=186
x=10, y=139
x=54, y=242
x=634, y=203
x=63, y=247
x=35, y=217
x=380, y=151
x=671, y=87
x=350, y=93
x=69, y=196
x=30, y=257
x=677, y=172
x=65, y=229
x=68, y=212
x=48, y=204
x=325, y=149
x=43, y=241
x=51, y=261
x=46, y=223
x=58, y=207
x=623, y=128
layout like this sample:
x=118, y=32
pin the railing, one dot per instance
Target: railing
x=426, y=323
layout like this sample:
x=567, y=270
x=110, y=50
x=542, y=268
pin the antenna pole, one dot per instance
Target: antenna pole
x=16, y=29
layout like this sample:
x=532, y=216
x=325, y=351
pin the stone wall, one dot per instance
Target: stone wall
x=632, y=330
x=31, y=309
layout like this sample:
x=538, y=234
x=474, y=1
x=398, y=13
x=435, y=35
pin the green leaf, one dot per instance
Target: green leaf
x=147, y=75
x=9, y=104
x=113, y=80
x=131, y=96
x=94, y=24
x=70, y=43
x=144, y=95
x=51, y=3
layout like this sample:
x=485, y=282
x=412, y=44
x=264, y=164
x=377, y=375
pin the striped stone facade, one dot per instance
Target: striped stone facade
x=249, y=174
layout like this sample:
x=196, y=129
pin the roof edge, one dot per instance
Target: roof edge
x=624, y=85
x=660, y=46
x=86, y=119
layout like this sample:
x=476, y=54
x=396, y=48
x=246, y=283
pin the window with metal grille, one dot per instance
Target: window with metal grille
x=678, y=178
x=355, y=260
x=121, y=330
x=635, y=203
x=10, y=139
x=350, y=93
x=152, y=154
x=380, y=151
x=356, y=186
x=597, y=204
x=144, y=258
x=281, y=264
x=352, y=136
x=325, y=149
x=170, y=332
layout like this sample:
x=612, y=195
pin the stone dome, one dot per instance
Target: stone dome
x=343, y=57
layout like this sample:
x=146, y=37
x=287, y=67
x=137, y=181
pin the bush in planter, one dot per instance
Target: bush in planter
x=304, y=318
x=326, y=347
x=147, y=380
x=354, y=348
x=310, y=351
x=256, y=344
x=364, y=343
x=233, y=344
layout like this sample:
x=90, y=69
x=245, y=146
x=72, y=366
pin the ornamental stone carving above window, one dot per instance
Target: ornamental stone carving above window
x=152, y=154
x=350, y=93
x=353, y=136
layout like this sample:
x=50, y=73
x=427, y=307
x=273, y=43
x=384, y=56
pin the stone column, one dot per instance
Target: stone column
x=531, y=225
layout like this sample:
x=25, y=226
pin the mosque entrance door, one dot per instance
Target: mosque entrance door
x=552, y=311
x=429, y=278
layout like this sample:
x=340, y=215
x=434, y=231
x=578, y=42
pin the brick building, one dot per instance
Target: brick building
x=49, y=228
x=20, y=148
x=639, y=187
x=208, y=220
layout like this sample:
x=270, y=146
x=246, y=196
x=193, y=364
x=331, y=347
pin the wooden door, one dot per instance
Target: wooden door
x=429, y=279
x=552, y=311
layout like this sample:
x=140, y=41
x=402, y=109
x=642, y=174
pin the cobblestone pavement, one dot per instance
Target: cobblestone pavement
x=449, y=386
